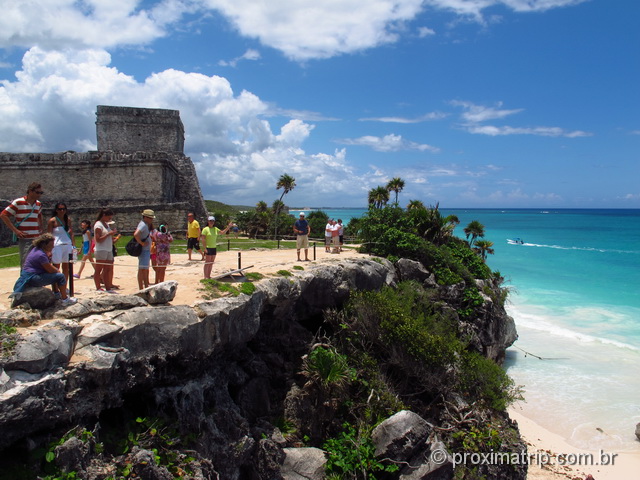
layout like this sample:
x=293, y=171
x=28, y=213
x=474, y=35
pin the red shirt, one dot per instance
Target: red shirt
x=26, y=214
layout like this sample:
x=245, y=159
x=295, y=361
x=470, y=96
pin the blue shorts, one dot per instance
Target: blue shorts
x=85, y=247
x=144, y=260
x=44, y=279
x=211, y=251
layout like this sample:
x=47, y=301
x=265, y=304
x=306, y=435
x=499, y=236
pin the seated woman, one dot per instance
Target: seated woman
x=38, y=270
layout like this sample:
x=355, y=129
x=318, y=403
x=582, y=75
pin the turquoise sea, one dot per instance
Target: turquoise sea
x=575, y=297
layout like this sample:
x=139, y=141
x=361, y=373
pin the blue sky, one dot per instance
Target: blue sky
x=474, y=103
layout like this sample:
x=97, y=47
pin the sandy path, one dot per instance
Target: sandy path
x=187, y=273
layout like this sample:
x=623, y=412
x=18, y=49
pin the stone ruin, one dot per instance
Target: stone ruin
x=139, y=164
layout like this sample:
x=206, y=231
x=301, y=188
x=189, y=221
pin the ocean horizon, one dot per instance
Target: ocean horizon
x=575, y=297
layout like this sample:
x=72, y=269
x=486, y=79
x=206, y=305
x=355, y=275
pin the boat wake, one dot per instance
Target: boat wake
x=561, y=247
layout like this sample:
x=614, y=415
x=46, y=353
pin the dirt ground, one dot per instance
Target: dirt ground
x=187, y=273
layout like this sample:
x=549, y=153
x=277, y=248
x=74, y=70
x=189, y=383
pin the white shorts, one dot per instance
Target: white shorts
x=60, y=253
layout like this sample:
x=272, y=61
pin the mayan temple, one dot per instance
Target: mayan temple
x=140, y=163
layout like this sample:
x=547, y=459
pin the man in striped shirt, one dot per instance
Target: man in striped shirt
x=23, y=216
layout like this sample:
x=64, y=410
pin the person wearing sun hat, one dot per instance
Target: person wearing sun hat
x=302, y=229
x=210, y=239
x=142, y=236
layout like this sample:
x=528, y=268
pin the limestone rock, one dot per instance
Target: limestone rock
x=4, y=381
x=32, y=402
x=303, y=464
x=414, y=270
x=20, y=317
x=144, y=466
x=221, y=368
x=434, y=463
x=101, y=304
x=160, y=293
x=157, y=332
x=96, y=332
x=229, y=321
x=270, y=458
x=39, y=298
x=44, y=349
x=73, y=455
x=638, y=431
x=398, y=436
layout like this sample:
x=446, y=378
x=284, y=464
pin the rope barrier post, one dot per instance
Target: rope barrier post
x=228, y=244
x=314, y=251
x=278, y=244
x=70, y=275
x=239, y=260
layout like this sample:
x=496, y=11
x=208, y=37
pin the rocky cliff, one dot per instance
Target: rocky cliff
x=222, y=370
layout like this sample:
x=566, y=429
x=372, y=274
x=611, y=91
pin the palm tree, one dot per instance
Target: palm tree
x=415, y=205
x=378, y=197
x=433, y=226
x=396, y=185
x=287, y=183
x=474, y=230
x=277, y=206
x=483, y=247
x=261, y=206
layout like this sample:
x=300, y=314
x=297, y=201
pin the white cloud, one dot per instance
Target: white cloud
x=474, y=8
x=479, y=113
x=630, y=196
x=72, y=24
x=423, y=118
x=250, y=54
x=539, y=131
x=388, y=143
x=300, y=29
x=425, y=32
x=474, y=115
x=305, y=30
x=51, y=107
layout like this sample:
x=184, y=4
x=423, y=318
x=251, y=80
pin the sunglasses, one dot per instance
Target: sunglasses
x=39, y=192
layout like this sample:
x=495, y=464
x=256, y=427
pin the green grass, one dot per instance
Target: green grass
x=215, y=289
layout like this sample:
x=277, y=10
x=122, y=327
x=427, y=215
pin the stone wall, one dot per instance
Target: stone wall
x=129, y=129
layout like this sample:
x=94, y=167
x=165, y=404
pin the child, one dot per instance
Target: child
x=87, y=246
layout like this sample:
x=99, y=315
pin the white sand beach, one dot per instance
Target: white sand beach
x=565, y=461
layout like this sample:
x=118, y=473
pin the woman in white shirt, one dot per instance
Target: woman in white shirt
x=103, y=253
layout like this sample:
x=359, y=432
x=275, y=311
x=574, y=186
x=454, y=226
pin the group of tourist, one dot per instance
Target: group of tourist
x=333, y=236
x=45, y=256
x=209, y=237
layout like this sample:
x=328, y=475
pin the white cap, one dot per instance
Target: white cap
x=302, y=214
x=212, y=218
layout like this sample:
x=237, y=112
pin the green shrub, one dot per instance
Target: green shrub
x=327, y=368
x=481, y=378
x=8, y=339
x=403, y=328
x=352, y=455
